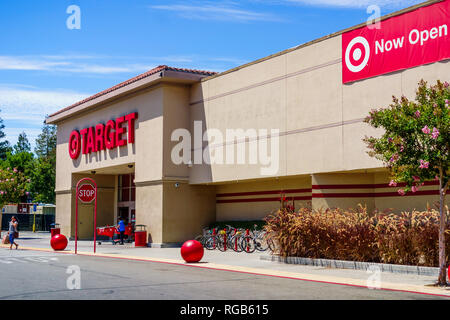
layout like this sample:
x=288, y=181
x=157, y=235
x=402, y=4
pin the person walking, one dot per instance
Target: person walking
x=121, y=227
x=12, y=232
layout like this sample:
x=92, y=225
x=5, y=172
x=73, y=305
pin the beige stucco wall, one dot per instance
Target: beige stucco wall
x=344, y=202
x=148, y=135
x=64, y=211
x=405, y=203
x=145, y=155
x=243, y=206
x=187, y=209
x=149, y=210
x=381, y=197
x=160, y=111
x=301, y=94
x=175, y=116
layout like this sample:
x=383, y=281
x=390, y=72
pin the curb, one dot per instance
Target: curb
x=354, y=265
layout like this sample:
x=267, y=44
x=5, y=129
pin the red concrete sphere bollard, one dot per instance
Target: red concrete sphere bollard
x=192, y=251
x=58, y=242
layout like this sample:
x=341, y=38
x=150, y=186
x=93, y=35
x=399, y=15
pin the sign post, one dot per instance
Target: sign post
x=86, y=193
x=34, y=217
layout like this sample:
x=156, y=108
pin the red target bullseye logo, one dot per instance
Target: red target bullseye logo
x=357, y=54
x=74, y=144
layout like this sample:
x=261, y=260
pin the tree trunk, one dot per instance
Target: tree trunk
x=442, y=281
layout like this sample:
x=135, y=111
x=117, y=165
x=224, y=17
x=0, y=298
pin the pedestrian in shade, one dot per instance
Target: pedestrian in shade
x=12, y=231
x=121, y=227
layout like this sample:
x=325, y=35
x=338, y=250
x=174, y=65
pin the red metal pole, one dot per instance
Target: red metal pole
x=225, y=239
x=235, y=240
x=76, y=219
x=95, y=219
x=76, y=213
x=246, y=236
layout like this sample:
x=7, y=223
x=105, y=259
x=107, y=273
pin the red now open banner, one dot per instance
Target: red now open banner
x=405, y=41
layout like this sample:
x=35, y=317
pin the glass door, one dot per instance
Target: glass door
x=127, y=197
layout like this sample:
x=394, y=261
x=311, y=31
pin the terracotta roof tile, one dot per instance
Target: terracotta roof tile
x=132, y=80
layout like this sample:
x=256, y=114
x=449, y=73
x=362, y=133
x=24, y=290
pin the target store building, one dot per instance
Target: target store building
x=315, y=96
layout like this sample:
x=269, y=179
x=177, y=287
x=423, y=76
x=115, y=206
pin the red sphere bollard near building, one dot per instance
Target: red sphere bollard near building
x=58, y=242
x=192, y=251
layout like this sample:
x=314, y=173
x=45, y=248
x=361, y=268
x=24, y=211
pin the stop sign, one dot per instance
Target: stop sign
x=86, y=193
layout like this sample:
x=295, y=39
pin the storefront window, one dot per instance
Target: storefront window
x=127, y=189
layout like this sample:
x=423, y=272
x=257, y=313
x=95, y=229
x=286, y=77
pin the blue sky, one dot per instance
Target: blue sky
x=44, y=66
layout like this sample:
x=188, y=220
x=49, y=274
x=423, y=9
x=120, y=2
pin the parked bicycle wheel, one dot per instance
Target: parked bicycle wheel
x=261, y=242
x=210, y=243
x=235, y=243
x=222, y=244
x=248, y=244
x=200, y=239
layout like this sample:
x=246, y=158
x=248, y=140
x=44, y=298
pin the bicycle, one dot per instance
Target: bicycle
x=207, y=239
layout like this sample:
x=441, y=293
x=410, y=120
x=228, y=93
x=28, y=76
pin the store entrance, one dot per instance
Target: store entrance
x=126, y=198
x=126, y=213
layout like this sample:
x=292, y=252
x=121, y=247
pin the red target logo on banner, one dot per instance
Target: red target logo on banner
x=357, y=54
x=408, y=40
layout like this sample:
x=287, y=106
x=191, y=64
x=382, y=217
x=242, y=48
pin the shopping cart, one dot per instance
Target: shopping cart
x=129, y=232
x=113, y=233
x=108, y=231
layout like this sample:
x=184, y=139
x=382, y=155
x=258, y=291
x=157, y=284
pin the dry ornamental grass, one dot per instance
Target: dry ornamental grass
x=409, y=238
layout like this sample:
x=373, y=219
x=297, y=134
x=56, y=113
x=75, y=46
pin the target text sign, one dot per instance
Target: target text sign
x=405, y=41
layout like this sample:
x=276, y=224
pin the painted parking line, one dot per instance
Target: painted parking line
x=26, y=259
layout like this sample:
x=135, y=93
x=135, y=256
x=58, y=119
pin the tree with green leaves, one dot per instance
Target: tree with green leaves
x=13, y=186
x=415, y=146
x=46, y=142
x=22, y=145
x=44, y=173
x=22, y=161
x=5, y=147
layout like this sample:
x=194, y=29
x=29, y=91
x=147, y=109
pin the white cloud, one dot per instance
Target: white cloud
x=14, y=101
x=24, y=109
x=216, y=11
x=358, y=3
x=59, y=64
x=12, y=134
x=98, y=69
x=96, y=65
x=18, y=63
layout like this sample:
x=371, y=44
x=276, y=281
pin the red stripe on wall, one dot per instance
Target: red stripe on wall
x=263, y=199
x=366, y=186
x=325, y=195
x=374, y=194
x=255, y=193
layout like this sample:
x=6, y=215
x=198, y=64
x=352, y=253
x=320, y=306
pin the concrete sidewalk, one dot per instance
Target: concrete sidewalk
x=246, y=263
